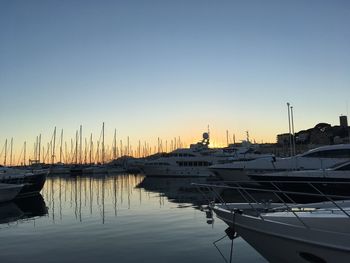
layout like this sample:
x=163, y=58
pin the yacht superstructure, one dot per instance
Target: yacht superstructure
x=318, y=158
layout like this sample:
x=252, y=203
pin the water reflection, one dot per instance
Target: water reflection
x=177, y=190
x=109, y=217
x=22, y=209
x=82, y=196
x=85, y=197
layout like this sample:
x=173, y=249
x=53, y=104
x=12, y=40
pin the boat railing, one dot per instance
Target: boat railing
x=287, y=198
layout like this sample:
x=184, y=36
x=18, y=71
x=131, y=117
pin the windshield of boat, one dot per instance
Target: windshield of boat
x=328, y=153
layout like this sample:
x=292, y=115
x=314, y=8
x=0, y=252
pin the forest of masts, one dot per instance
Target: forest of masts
x=81, y=150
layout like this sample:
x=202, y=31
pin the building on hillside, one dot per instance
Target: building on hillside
x=321, y=134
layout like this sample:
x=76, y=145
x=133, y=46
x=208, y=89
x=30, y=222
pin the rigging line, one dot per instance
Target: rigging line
x=214, y=243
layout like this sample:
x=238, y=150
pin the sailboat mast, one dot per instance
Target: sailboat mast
x=80, y=144
x=61, y=149
x=121, y=148
x=36, y=148
x=24, y=152
x=128, y=149
x=103, y=143
x=115, y=144
x=11, y=147
x=53, y=147
x=90, y=154
x=139, y=150
x=76, y=148
x=85, y=151
x=227, y=137
x=66, y=152
x=5, y=152
x=39, y=147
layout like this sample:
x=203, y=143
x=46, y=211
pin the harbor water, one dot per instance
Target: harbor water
x=116, y=218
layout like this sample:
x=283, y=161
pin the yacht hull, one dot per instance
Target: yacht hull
x=285, y=238
x=176, y=172
x=32, y=183
x=278, y=248
x=230, y=174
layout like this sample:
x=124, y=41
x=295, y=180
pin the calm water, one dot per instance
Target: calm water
x=121, y=218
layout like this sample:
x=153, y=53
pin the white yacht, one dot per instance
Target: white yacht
x=316, y=232
x=290, y=232
x=182, y=162
x=318, y=158
x=334, y=180
x=194, y=161
x=245, y=151
x=338, y=172
x=287, y=232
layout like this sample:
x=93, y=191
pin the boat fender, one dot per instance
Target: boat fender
x=231, y=233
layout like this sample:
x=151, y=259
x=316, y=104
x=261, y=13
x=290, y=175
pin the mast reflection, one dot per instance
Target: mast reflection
x=90, y=196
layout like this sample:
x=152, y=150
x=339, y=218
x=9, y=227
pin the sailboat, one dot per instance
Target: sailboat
x=99, y=168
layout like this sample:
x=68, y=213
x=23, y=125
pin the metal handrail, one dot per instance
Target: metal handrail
x=243, y=190
x=271, y=190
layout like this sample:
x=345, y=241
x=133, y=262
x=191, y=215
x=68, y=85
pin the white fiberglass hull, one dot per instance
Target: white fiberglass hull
x=238, y=171
x=230, y=175
x=277, y=248
x=282, y=237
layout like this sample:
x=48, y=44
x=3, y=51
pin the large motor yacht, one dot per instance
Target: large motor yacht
x=183, y=162
x=318, y=158
x=195, y=160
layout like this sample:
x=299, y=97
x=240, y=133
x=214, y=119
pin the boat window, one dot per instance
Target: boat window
x=337, y=153
x=205, y=164
x=195, y=163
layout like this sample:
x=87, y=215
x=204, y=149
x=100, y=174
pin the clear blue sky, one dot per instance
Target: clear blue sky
x=169, y=68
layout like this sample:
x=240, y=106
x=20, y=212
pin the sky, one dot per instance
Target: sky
x=165, y=68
